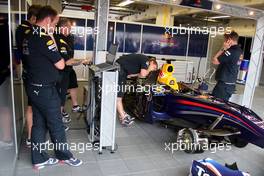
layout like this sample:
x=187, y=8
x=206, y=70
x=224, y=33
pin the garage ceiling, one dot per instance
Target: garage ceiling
x=200, y=18
x=139, y=7
x=203, y=17
x=133, y=8
x=258, y=4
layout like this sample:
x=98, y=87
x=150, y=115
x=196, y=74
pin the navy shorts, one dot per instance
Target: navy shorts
x=62, y=87
x=72, y=80
x=122, y=78
x=223, y=90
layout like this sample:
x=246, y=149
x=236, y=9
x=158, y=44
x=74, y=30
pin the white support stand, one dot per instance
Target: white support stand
x=255, y=64
x=108, y=110
x=107, y=117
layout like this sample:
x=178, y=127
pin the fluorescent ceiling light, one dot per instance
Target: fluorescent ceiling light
x=217, y=17
x=208, y=19
x=251, y=13
x=218, y=6
x=125, y=3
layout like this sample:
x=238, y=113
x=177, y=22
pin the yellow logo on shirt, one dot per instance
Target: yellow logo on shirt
x=62, y=41
x=50, y=42
x=43, y=34
x=24, y=25
x=63, y=50
x=27, y=31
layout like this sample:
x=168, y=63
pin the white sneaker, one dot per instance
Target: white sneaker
x=127, y=121
x=73, y=162
x=66, y=120
x=65, y=114
x=130, y=118
x=28, y=143
x=66, y=128
x=49, y=162
x=77, y=109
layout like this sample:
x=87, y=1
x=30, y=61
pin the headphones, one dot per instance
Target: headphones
x=148, y=63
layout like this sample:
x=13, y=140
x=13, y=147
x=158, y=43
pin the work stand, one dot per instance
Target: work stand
x=101, y=113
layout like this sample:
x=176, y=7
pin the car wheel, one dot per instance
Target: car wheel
x=238, y=142
x=188, y=142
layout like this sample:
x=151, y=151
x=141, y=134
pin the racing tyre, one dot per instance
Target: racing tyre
x=238, y=142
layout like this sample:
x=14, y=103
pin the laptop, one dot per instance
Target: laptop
x=110, y=60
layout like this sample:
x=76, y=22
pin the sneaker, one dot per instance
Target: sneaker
x=66, y=128
x=49, y=162
x=130, y=118
x=77, y=108
x=66, y=120
x=65, y=114
x=126, y=121
x=84, y=107
x=28, y=143
x=72, y=162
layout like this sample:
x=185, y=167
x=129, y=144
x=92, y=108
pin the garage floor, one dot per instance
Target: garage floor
x=141, y=151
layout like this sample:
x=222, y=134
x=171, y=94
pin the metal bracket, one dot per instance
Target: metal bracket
x=216, y=122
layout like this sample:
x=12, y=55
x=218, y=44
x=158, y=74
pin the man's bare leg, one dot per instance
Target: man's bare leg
x=73, y=93
x=120, y=108
x=124, y=118
x=29, y=119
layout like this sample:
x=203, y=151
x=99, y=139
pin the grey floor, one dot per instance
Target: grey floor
x=141, y=151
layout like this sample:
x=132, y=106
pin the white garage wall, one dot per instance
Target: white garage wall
x=81, y=70
x=215, y=45
x=243, y=27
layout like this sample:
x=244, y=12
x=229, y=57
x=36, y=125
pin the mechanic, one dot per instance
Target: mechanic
x=228, y=60
x=131, y=65
x=43, y=65
x=22, y=30
x=73, y=83
x=67, y=53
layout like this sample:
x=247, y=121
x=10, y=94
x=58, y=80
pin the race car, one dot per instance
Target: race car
x=200, y=118
x=209, y=167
